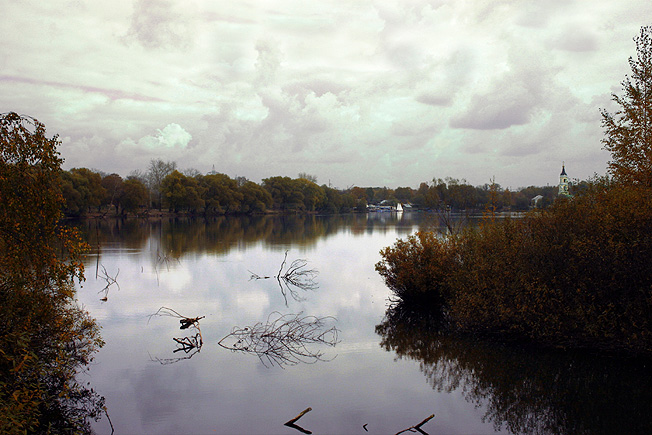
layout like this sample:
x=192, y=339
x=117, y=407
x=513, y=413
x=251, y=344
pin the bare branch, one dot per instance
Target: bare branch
x=417, y=427
x=296, y=277
x=291, y=423
x=109, y=282
x=284, y=340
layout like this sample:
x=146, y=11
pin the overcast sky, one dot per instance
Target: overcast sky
x=367, y=93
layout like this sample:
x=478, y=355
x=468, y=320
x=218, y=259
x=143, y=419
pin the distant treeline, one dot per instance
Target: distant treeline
x=163, y=187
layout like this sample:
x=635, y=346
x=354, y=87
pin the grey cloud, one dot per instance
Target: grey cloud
x=113, y=94
x=497, y=110
x=575, y=39
x=159, y=24
x=433, y=99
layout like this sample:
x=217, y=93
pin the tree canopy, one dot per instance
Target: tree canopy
x=628, y=132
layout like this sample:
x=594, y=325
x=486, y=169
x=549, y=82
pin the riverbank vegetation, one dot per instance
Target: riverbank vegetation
x=45, y=338
x=576, y=274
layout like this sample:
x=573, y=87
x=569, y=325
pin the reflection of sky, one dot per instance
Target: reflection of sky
x=218, y=391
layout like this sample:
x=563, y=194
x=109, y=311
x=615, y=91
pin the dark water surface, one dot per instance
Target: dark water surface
x=326, y=343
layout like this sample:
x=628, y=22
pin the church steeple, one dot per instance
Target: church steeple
x=563, y=182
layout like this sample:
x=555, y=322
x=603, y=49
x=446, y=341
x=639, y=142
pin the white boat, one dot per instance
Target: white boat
x=399, y=208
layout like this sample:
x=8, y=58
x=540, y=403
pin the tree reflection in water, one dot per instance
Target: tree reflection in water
x=285, y=339
x=524, y=389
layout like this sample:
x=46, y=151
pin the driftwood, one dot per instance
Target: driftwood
x=284, y=340
x=417, y=427
x=296, y=277
x=190, y=345
x=292, y=422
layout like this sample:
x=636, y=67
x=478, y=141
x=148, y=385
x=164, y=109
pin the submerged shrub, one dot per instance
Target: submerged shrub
x=416, y=269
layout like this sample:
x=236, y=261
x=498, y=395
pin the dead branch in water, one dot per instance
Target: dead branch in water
x=417, y=427
x=190, y=345
x=284, y=340
x=296, y=276
x=291, y=422
x=109, y=282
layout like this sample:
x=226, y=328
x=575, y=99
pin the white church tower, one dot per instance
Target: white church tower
x=563, y=182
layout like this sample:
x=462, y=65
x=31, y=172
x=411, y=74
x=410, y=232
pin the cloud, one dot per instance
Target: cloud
x=367, y=93
x=499, y=109
x=170, y=137
x=575, y=38
x=160, y=24
x=169, y=143
x=268, y=61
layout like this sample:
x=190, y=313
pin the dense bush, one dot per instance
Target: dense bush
x=417, y=269
x=577, y=274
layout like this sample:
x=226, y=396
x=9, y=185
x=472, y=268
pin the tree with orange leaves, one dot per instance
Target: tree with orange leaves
x=45, y=338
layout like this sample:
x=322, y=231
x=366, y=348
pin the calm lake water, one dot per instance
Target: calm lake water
x=328, y=344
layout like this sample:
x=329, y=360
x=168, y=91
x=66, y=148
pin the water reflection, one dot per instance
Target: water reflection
x=284, y=339
x=202, y=267
x=526, y=390
x=219, y=235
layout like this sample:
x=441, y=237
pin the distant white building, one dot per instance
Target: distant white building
x=563, y=182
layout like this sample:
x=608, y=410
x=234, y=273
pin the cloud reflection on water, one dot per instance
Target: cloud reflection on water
x=225, y=392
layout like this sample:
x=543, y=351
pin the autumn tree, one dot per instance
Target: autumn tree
x=628, y=132
x=307, y=176
x=45, y=338
x=88, y=185
x=314, y=197
x=404, y=194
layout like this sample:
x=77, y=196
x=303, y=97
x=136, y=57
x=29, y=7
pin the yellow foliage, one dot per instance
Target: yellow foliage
x=44, y=337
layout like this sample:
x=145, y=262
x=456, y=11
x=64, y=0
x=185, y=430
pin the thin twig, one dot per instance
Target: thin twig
x=295, y=277
x=417, y=427
x=109, y=282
